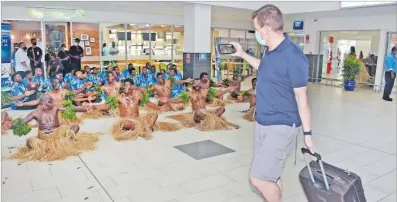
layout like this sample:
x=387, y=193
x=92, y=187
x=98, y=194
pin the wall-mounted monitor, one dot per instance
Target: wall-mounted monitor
x=121, y=36
x=145, y=36
x=298, y=25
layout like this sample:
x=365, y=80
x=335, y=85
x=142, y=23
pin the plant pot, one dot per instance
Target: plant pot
x=349, y=85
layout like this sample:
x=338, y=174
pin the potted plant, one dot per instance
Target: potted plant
x=351, y=68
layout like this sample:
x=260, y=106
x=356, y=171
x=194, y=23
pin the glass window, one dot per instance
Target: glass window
x=113, y=45
x=138, y=52
x=178, y=45
x=88, y=33
x=161, y=45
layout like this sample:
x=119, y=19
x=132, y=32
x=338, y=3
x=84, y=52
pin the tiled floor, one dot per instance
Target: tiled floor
x=353, y=130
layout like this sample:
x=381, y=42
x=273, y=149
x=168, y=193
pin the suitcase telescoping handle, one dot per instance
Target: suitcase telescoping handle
x=318, y=156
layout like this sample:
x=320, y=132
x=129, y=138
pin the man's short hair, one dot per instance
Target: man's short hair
x=14, y=75
x=269, y=15
x=203, y=74
x=253, y=80
x=20, y=44
x=159, y=74
x=394, y=48
x=129, y=81
x=28, y=72
x=77, y=39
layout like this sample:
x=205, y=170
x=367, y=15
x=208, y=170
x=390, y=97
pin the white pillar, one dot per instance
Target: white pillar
x=314, y=37
x=197, y=40
x=197, y=26
x=379, y=76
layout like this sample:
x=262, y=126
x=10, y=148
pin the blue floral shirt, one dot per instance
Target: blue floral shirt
x=18, y=89
x=77, y=84
x=68, y=77
x=176, y=88
x=144, y=80
x=39, y=79
x=25, y=81
x=94, y=79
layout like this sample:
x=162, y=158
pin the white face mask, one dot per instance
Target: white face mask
x=76, y=44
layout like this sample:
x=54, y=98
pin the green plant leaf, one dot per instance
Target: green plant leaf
x=69, y=95
x=212, y=93
x=212, y=83
x=5, y=98
x=145, y=99
x=351, y=68
x=227, y=82
x=184, y=96
x=111, y=101
x=21, y=128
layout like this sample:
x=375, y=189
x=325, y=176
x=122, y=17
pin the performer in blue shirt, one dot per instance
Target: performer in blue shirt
x=39, y=78
x=20, y=95
x=177, y=87
x=62, y=83
x=144, y=79
x=94, y=77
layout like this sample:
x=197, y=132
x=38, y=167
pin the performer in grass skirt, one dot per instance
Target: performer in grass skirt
x=53, y=141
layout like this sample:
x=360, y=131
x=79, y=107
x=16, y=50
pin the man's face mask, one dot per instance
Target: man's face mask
x=25, y=48
x=34, y=43
x=259, y=38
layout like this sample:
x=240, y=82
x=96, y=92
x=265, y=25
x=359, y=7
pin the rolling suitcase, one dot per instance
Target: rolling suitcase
x=322, y=182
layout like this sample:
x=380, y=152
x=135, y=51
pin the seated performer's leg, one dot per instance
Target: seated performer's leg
x=33, y=142
x=199, y=115
x=75, y=128
x=177, y=106
x=128, y=125
x=220, y=110
x=152, y=118
x=6, y=121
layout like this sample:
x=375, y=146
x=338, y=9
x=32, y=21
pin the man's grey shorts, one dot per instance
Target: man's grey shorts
x=271, y=146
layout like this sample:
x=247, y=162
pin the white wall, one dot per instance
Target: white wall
x=285, y=6
x=21, y=13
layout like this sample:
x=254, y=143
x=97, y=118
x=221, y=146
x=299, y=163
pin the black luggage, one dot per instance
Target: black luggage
x=322, y=182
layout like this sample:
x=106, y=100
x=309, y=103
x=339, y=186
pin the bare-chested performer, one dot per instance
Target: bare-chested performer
x=198, y=99
x=57, y=93
x=129, y=106
x=46, y=116
x=112, y=87
x=205, y=87
x=235, y=95
x=163, y=94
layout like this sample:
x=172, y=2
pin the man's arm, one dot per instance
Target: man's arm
x=253, y=61
x=303, y=107
x=183, y=81
x=29, y=117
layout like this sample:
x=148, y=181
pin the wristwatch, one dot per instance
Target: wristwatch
x=307, y=133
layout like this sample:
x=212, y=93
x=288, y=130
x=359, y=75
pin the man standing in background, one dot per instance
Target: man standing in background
x=281, y=98
x=76, y=53
x=22, y=63
x=390, y=74
x=35, y=54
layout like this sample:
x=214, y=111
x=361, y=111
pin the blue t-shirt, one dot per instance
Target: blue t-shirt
x=280, y=71
x=391, y=62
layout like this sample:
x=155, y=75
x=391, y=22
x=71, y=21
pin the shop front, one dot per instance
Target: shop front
x=157, y=40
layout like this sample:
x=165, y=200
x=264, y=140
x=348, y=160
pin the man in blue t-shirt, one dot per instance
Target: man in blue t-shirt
x=390, y=73
x=281, y=98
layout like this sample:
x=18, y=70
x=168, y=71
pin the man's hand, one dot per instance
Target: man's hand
x=309, y=143
x=232, y=89
x=393, y=75
x=239, y=51
x=189, y=80
x=67, y=86
x=29, y=92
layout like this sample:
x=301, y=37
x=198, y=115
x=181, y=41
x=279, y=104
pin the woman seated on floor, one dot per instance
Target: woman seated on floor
x=23, y=97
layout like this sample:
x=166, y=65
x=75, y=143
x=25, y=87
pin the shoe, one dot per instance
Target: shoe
x=388, y=99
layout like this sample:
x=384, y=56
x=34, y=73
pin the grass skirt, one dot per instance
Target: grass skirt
x=142, y=128
x=210, y=123
x=249, y=115
x=96, y=114
x=64, y=121
x=63, y=142
x=216, y=102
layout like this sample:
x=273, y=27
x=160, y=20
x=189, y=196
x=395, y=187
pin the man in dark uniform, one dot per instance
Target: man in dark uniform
x=35, y=53
x=76, y=53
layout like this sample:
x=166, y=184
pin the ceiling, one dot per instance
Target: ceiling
x=220, y=10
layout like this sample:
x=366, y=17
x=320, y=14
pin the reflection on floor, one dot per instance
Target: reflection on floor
x=353, y=130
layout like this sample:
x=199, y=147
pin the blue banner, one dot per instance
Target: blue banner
x=5, y=43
